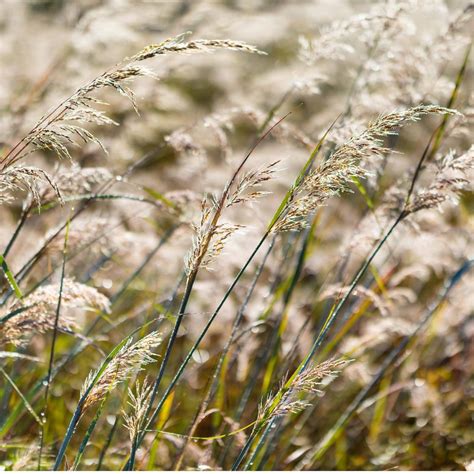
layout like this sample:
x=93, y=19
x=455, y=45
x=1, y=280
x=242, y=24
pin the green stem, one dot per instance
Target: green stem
x=187, y=293
x=394, y=355
x=88, y=434
x=55, y=334
x=328, y=324
x=183, y=365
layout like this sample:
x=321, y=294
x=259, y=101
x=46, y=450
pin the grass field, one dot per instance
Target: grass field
x=236, y=235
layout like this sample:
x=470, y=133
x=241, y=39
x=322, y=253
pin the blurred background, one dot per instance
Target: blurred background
x=195, y=123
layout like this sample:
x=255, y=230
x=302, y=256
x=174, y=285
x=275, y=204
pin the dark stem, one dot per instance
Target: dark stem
x=53, y=343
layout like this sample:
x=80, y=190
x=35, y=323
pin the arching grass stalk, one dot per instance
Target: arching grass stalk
x=278, y=214
x=272, y=422
x=77, y=107
x=213, y=386
x=431, y=147
x=193, y=272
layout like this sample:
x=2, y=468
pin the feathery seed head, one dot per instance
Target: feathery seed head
x=36, y=313
x=130, y=358
x=287, y=400
x=26, y=178
x=208, y=239
x=178, y=45
x=451, y=178
x=138, y=402
x=76, y=180
x=335, y=175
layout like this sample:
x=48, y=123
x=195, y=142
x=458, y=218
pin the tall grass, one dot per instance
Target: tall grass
x=208, y=265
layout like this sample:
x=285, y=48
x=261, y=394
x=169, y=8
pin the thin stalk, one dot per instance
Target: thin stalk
x=55, y=334
x=72, y=354
x=270, y=448
x=19, y=226
x=215, y=377
x=69, y=432
x=343, y=300
x=88, y=434
x=107, y=443
x=192, y=278
x=246, y=448
x=327, y=441
x=258, y=447
x=452, y=100
x=22, y=397
x=183, y=365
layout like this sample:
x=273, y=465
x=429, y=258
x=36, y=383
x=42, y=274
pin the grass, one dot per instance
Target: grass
x=312, y=314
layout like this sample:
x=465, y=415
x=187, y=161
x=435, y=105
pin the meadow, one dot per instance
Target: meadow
x=236, y=235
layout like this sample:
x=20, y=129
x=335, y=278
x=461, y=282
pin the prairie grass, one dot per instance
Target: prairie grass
x=243, y=248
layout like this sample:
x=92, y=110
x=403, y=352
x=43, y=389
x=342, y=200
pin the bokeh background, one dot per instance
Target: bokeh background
x=195, y=123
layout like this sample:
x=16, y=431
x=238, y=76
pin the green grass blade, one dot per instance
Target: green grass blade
x=23, y=398
x=10, y=278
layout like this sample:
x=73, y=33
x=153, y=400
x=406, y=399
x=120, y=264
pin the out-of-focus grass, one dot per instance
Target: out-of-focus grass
x=377, y=277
